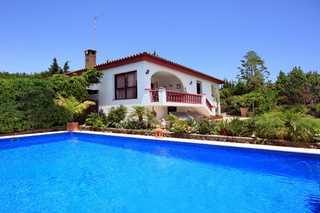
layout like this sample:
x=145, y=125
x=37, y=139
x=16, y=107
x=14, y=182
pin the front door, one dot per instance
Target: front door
x=199, y=89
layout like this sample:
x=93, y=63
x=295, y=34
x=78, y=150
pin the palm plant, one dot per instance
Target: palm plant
x=139, y=112
x=73, y=106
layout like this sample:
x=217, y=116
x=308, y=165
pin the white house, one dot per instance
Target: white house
x=154, y=82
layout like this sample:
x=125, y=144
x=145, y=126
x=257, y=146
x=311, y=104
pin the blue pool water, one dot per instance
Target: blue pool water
x=76, y=172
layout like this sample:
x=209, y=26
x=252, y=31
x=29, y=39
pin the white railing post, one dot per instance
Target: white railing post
x=162, y=95
x=146, y=97
x=203, y=100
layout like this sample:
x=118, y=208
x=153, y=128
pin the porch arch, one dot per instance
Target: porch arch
x=167, y=80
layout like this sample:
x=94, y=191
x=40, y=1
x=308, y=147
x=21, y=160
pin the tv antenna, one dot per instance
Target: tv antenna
x=94, y=38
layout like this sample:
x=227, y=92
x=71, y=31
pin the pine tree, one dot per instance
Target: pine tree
x=54, y=67
x=253, y=71
x=66, y=67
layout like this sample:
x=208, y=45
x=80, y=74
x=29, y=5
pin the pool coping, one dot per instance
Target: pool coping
x=183, y=140
x=32, y=134
x=209, y=142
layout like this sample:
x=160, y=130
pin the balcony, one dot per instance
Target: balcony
x=174, y=98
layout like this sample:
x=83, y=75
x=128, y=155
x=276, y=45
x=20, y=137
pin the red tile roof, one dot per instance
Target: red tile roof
x=153, y=59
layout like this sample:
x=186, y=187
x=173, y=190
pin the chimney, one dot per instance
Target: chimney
x=90, y=56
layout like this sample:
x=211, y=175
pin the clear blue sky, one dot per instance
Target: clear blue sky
x=211, y=36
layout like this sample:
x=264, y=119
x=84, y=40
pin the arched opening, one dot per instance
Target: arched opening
x=166, y=80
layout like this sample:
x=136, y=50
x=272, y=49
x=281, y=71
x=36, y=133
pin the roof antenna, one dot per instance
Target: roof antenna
x=94, y=32
x=155, y=53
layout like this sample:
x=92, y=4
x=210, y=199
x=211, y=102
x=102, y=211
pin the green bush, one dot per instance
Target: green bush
x=289, y=124
x=181, y=126
x=28, y=103
x=314, y=110
x=141, y=117
x=151, y=120
x=271, y=125
x=258, y=102
x=301, y=128
x=237, y=127
x=66, y=86
x=96, y=120
x=116, y=116
x=170, y=119
x=207, y=126
x=134, y=124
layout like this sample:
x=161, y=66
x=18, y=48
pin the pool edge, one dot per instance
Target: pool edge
x=182, y=140
x=32, y=134
x=207, y=142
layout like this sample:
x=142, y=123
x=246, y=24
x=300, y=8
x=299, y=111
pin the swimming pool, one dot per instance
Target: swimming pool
x=80, y=172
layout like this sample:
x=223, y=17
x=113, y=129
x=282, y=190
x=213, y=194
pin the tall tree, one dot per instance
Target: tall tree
x=54, y=67
x=253, y=71
x=66, y=67
x=313, y=83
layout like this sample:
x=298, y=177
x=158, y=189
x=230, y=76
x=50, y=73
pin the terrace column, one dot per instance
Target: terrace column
x=219, y=107
x=162, y=95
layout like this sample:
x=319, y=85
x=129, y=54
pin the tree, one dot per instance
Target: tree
x=298, y=87
x=54, y=67
x=66, y=67
x=253, y=71
x=313, y=83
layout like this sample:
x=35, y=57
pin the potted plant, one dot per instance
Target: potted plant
x=244, y=105
x=244, y=111
x=75, y=108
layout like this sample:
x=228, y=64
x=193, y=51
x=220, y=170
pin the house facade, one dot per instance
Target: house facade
x=156, y=83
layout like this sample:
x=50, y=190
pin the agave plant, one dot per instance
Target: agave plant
x=73, y=106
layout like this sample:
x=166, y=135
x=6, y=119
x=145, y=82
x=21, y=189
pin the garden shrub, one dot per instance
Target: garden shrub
x=96, y=120
x=301, y=128
x=116, y=116
x=236, y=127
x=151, y=119
x=134, y=124
x=28, y=103
x=271, y=125
x=258, y=102
x=289, y=124
x=66, y=86
x=207, y=126
x=314, y=110
x=170, y=119
x=181, y=127
x=142, y=117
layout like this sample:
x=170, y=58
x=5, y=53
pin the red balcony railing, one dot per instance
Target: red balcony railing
x=183, y=97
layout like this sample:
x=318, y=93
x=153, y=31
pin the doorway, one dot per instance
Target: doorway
x=199, y=87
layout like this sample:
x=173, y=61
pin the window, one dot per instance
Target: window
x=126, y=85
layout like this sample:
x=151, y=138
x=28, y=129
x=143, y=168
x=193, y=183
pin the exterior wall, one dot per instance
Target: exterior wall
x=145, y=70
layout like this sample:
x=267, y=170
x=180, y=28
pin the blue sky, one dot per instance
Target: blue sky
x=211, y=36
